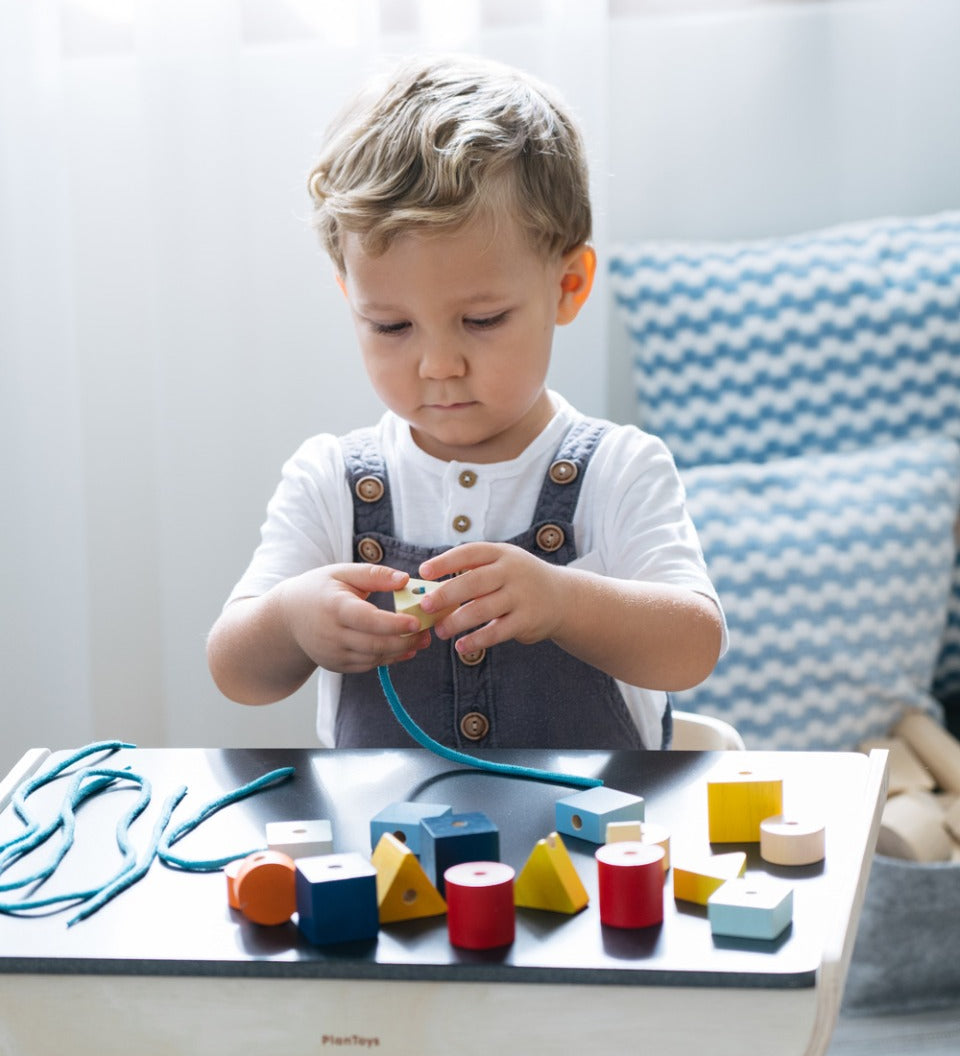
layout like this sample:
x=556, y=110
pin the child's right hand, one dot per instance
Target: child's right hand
x=328, y=615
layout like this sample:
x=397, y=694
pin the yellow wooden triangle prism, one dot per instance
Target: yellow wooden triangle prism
x=549, y=879
x=404, y=891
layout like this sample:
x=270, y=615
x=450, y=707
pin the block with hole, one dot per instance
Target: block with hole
x=300, y=839
x=549, y=879
x=695, y=879
x=407, y=601
x=402, y=820
x=404, y=891
x=791, y=840
x=751, y=908
x=337, y=898
x=738, y=801
x=630, y=883
x=480, y=905
x=450, y=839
x=263, y=887
x=587, y=814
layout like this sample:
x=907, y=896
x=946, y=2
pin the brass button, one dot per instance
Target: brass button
x=550, y=537
x=467, y=478
x=563, y=471
x=370, y=550
x=369, y=489
x=473, y=658
x=474, y=726
x=461, y=523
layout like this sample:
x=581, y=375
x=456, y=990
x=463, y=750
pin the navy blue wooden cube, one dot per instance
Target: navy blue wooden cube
x=454, y=838
x=337, y=898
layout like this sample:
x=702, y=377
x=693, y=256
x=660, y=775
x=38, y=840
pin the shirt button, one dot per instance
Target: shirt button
x=369, y=489
x=563, y=471
x=550, y=537
x=474, y=726
x=473, y=658
x=467, y=478
x=370, y=550
x=461, y=523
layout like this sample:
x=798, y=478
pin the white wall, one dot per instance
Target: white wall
x=169, y=331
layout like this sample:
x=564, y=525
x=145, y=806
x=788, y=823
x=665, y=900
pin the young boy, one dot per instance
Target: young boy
x=454, y=205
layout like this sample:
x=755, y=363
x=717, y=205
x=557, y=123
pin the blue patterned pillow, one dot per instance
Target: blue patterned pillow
x=829, y=341
x=834, y=572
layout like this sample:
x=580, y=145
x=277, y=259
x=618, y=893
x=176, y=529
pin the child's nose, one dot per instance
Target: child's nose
x=441, y=359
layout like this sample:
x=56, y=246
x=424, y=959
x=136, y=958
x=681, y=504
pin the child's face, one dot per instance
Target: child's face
x=456, y=330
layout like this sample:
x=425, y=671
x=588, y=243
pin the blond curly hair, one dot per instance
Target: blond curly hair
x=447, y=140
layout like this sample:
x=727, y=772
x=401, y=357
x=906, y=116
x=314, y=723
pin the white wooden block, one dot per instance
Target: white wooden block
x=300, y=839
x=751, y=908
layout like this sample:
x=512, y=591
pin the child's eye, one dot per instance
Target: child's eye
x=488, y=322
x=388, y=328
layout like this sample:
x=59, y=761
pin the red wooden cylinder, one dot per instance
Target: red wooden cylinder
x=480, y=910
x=630, y=876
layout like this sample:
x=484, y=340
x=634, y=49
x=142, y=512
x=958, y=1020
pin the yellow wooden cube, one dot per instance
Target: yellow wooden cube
x=738, y=802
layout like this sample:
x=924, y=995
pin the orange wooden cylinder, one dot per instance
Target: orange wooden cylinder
x=265, y=888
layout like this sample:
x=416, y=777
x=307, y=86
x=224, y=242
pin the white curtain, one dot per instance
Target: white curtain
x=169, y=330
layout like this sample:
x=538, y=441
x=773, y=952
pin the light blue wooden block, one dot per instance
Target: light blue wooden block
x=337, y=898
x=586, y=814
x=751, y=908
x=403, y=821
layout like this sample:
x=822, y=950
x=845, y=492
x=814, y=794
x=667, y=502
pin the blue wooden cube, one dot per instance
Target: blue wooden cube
x=337, y=898
x=586, y=814
x=451, y=839
x=751, y=908
x=403, y=821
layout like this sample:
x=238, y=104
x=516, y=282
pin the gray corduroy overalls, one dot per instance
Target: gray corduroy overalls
x=508, y=696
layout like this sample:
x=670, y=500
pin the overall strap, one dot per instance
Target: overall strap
x=368, y=482
x=561, y=486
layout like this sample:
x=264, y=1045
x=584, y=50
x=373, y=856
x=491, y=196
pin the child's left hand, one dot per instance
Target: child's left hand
x=500, y=589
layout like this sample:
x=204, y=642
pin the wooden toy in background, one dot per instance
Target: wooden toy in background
x=549, y=879
x=300, y=839
x=934, y=746
x=262, y=886
x=738, y=802
x=404, y=891
x=695, y=880
x=920, y=820
x=751, y=908
x=407, y=601
x=630, y=883
x=336, y=896
x=789, y=840
x=641, y=832
x=402, y=820
x=586, y=814
x=480, y=906
x=450, y=839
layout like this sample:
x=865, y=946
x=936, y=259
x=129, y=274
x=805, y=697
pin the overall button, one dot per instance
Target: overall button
x=473, y=658
x=370, y=550
x=467, y=478
x=369, y=489
x=474, y=726
x=461, y=523
x=550, y=537
x=563, y=471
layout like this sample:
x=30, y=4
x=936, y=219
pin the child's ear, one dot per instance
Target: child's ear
x=576, y=281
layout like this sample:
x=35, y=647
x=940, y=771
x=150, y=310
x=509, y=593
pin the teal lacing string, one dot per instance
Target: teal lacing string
x=426, y=741
x=209, y=865
x=85, y=784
